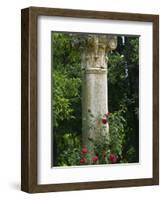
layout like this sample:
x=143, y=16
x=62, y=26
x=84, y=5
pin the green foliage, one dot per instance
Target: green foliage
x=65, y=93
x=123, y=77
x=66, y=76
x=131, y=50
x=116, y=70
x=66, y=96
x=71, y=147
x=102, y=149
x=66, y=58
x=117, y=132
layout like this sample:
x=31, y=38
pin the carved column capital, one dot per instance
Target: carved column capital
x=95, y=49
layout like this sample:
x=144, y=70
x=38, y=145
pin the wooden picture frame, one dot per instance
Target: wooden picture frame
x=29, y=112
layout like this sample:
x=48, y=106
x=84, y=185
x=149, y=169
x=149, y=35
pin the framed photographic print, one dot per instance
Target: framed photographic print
x=90, y=99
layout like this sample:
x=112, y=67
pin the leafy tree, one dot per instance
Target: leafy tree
x=123, y=77
x=66, y=91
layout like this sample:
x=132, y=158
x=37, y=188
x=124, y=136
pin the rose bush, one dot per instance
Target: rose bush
x=106, y=150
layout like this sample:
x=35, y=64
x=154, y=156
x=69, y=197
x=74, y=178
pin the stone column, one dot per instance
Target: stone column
x=94, y=87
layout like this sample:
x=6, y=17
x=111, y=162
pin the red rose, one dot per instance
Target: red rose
x=84, y=150
x=104, y=120
x=113, y=158
x=94, y=159
x=83, y=160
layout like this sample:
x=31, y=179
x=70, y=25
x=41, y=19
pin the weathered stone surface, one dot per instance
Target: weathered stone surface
x=94, y=86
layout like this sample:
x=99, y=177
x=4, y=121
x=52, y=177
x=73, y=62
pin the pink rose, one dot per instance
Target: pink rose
x=113, y=158
x=94, y=159
x=83, y=160
x=84, y=150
